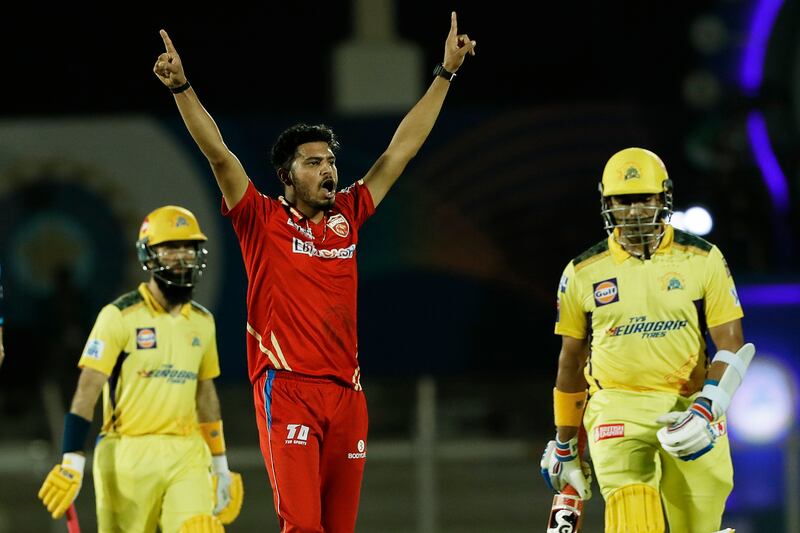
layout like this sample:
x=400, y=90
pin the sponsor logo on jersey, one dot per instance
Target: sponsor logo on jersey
x=308, y=248
x=562, y=285
x=558, y=309
x=339, y=225
x=94, y=349
x=305, y=231
x=361, y=446
x=605, y=292
x=170, y=374
x=146, y=338
x=648, y=328
x=609, y=431
x=297, y=434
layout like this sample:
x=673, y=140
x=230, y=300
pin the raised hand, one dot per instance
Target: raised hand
x=456, y=47
x=168, y=67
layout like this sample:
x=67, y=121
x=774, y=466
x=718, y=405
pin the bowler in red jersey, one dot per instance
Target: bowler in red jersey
x=299, y=252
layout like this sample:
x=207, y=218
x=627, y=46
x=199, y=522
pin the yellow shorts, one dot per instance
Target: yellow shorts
x=151, y=480
x=625, y=450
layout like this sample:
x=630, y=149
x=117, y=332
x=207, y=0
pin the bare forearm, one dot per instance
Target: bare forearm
x=418, y=123
x=90, y=384
x=202, y=127
x=208, y=409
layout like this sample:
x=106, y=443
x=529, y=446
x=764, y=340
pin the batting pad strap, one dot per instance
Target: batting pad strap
x=212, y=434
x=568, y=407
x=76, y=429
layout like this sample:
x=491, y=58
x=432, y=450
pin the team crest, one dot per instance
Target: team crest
x=632, y=173
x=672, y=281
x=339, y=225
x=146, y=338
x=605, y=292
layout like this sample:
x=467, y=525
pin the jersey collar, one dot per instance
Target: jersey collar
x=619, y=254
x=155, y=307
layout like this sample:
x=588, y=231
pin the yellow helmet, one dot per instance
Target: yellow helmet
x=635, y=171
x=172, y=224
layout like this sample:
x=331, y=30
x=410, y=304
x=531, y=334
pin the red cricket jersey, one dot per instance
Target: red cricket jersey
x=302, y=284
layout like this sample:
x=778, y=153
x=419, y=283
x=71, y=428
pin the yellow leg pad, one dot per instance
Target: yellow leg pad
x=202, y=524
x=634, y=509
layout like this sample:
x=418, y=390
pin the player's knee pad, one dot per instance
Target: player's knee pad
x=202, y=524
x=634, y=509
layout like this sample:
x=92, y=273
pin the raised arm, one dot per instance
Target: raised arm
x=418, y=123
x=231, y=176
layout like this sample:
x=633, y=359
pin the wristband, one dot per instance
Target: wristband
x=76, y=428
x=568, y=407
x=212, y=434
x=180, y=89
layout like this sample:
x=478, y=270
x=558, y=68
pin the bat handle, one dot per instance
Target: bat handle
x=72, y=520
x=569, y=490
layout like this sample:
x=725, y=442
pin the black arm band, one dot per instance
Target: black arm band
x=176, y=90
x=76, y=429
x=439, y=70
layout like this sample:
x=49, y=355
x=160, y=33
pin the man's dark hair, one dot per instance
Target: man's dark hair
x=285, y=147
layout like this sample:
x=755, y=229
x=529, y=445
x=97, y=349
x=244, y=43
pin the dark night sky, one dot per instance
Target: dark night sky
x=279, y=57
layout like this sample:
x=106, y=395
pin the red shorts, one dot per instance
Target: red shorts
x=313, y=435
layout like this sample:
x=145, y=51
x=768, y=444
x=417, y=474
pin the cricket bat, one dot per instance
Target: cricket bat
x=566, y=513
x=72, y=520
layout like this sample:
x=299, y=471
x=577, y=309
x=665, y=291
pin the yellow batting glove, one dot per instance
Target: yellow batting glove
x=228, y=490
x=62, y=484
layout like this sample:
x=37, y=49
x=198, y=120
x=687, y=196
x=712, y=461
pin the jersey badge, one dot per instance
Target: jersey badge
x=605, y=292
x=339, y=225
x=562, y=285
x=145, y=338
x=672, y=281
x=94, y=349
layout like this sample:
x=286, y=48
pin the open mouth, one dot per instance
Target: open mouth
x=329, y=186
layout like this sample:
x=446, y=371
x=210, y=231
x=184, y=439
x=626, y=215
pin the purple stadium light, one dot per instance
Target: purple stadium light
x=752, y=68
x=770, y=295
x=771, y=171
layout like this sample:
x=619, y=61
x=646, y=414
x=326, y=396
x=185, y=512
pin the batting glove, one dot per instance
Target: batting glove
x=688, y=434
x=228, y=490
x=561, y=466
x=62, y=484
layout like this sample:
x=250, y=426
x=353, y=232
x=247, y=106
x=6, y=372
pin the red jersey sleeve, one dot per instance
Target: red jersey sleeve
x=249, y=218
x=356, y=203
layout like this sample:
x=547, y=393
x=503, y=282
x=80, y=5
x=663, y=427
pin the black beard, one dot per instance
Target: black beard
x=173, y=294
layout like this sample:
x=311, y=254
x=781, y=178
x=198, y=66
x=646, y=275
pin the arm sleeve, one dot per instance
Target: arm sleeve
x=570, y=314
x=721, y=299
x=249, y=217
x=106, y=341
x=355, y=202
x=209, y=366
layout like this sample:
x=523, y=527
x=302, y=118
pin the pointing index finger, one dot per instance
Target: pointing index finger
x=167, y=42
x=453, y=24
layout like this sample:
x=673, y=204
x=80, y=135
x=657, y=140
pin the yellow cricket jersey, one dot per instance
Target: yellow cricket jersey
x=647, y=319
x=153, y=361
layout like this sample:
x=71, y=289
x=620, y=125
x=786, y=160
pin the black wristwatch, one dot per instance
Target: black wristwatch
x=439, y=70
